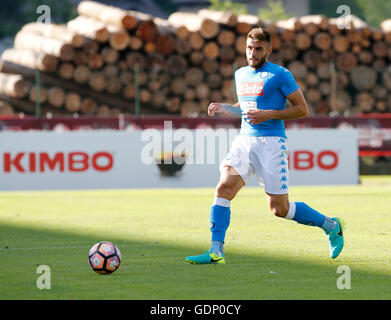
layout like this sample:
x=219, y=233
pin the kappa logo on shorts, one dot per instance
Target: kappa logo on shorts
x=283, y=147
x=281, y=140
x=283, y=178
x=282, y=163
x=283, y=187
x=283, y=170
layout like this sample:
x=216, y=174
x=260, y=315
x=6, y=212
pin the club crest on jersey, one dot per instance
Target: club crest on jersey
x=250, y=88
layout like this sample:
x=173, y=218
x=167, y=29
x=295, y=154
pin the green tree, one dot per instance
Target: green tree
x=375, y=11
x=228, y=6
x=274, y=12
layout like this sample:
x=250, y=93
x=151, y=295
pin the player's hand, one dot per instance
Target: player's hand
x=255, y=116
x=215, y=107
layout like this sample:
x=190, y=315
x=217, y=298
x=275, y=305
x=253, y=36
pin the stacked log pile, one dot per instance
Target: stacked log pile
x=92, y=64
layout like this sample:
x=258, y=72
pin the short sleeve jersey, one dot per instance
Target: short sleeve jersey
x=264, y=88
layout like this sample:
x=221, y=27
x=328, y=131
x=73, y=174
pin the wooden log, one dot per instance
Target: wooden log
x=56, y=97
x=342, y=79
x=365, y=102
x=246, y=22
x=196, y=41
x=165, y=44
x=202, y=91
x=14, y=85
x=197, y=58
x=110, y=70
x=109, y=55
x=178, y=86
x=182, y=46
x=211, y=50
x=173, y=104
x=89, y=27
x=176, y=64
x=113, y=85
x=118, y=37
x=150, y=47
x=28, y=107
x=135, y=58
x=97, y=81
x=340, y=43
x=380, y=49
x=379, y=65
x=226, y=69
x=343, y=101
x=81, y=74
x=41, y=44
x=311, y=58
x=322, y=41
x=147, y=30
x=241, y=61
x=311, y=79
x=214, y=80
x=194, y=76
x=135, y=43
x=324, y=88
x=190, y=109
x=72, y=102
x=381, y=106
x=50, y=30
x=363, y=78
x=43, y=94
x=194, y=22
x=379, y=92
x=66, y=70
x=227, y=54
x=303, y=41
x=80, y=57
x=298, y=69
x=346, y=61
x=275, y=42
x=91, y=46
x=386, y=77
x=320, y=21
x=313, y=95
x=288, y=52
x=227, y=89
x=29, y=58
x=189, y=94
x=323, y=70
x=226, y=38
x=110, y=15
x=221, y=17
x=6, y=109
x=88, y=106
x=182, y=32
x=158, y=99
x=210, y=65
x=240, y=45
x=365, y=57
x=95, y=61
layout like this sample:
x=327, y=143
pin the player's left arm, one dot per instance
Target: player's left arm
x=298, y=109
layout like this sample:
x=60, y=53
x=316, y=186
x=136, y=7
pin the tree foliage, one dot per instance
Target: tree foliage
x=274, y=12
x=375, y=11
x=228, y=6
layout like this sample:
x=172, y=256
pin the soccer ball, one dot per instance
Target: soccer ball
x=104, y=257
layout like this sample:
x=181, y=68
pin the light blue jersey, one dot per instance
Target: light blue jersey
x=265, y=88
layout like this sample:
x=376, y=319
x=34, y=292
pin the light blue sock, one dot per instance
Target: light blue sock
x=304, y=214
x=220, y=215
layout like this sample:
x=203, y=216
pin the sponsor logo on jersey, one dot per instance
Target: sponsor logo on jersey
x=250, y=89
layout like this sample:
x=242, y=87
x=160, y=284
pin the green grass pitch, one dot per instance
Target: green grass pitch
x=267, y=257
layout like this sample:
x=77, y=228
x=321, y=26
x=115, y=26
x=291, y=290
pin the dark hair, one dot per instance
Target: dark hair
x=259, y=34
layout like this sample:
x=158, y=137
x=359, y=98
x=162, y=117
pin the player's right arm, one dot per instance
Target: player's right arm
x=228, y=109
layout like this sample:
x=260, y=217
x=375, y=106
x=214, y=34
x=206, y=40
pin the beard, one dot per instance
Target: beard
x=257, y=64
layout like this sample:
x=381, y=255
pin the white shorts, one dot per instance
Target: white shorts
x=267, y=157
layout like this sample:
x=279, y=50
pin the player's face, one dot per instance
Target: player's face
x=257, y=52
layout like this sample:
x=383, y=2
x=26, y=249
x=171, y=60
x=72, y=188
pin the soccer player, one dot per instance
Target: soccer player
x=261, y=148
